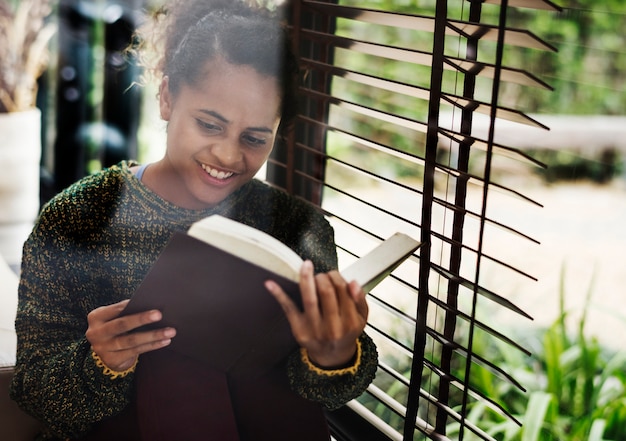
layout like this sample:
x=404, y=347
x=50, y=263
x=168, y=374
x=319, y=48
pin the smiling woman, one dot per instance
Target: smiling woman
x=226, y=88
x=220, y=132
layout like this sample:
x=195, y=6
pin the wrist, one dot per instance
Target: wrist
x=350, y=366
x=112, y=373
x=339, y=359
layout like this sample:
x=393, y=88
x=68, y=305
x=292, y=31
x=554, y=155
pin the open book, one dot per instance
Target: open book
x=209, y=285
x=263, y=250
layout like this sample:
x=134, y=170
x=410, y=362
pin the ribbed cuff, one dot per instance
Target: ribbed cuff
x=304, y=355
x=110, y=372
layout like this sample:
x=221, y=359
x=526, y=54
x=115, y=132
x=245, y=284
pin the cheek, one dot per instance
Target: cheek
x=258, y=157
x=262, y=155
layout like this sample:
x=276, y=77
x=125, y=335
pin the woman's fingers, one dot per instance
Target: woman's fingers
x=121, y=352
x=113, y=339
x=140, y=342
x=289, y=307
x=107, y=317
x=108, y=312
x=334, y=314
x=328, y=295
x=297, y=321
x=308, y=281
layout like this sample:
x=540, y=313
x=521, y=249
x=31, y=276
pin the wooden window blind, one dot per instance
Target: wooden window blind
x=386, y=142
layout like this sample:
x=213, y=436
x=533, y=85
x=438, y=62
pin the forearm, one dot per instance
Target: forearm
x=332, y=389
x=63, y=388
x=56, y=379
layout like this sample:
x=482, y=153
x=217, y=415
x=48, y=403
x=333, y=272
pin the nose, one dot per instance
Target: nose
x=227, y=151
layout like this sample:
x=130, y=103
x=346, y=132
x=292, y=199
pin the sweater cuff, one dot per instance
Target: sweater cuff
x=107, y=371
x=304, y=356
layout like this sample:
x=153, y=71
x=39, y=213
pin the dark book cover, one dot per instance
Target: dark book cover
x=219, y=306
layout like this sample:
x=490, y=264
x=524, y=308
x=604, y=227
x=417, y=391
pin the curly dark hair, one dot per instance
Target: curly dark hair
x=186, y=34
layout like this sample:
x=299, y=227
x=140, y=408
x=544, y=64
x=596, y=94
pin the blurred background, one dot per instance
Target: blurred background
x=94, y=114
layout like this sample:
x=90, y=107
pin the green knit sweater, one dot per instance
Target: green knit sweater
x=92, y=245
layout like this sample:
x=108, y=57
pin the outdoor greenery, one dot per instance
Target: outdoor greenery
x=576, y=388
x=565, y=165
x=586, y=74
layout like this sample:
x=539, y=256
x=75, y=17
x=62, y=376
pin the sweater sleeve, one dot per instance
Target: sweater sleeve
x=56, y=379
x=331, y=389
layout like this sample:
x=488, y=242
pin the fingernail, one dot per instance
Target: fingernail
x=169, y=332
x=155, y=315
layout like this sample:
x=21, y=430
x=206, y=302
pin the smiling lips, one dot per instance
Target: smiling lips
x=216, y=173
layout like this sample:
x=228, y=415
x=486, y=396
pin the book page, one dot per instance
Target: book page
x=249, y=244
x=374, y=266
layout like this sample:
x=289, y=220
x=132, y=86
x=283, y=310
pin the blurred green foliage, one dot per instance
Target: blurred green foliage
x=586, y=72
x=575, y=386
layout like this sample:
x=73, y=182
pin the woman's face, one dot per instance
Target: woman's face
x=220, y=132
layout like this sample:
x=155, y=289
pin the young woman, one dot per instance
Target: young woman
x=226, y=92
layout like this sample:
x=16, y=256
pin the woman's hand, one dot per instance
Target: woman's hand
x=333, y=317
x=110, y=336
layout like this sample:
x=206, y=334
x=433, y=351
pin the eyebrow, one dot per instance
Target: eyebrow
x=223, y=119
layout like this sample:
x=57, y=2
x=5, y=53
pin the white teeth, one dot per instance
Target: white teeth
x=216, y=173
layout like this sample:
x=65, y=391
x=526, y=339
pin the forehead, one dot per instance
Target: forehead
x=239, y=89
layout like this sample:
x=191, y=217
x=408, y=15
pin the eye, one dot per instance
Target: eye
x=253, y=140
x=208, y=126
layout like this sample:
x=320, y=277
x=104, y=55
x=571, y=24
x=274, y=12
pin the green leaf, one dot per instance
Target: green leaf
x=538, y=406
x=597, y=430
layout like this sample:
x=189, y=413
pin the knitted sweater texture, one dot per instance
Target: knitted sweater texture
x=92, y=245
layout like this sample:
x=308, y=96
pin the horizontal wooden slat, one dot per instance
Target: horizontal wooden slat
x=531, y=4
x=488, y=257
x=390, y=150
x=400, y=409
x=496, y=334
x=401, y=349
x=482, y=144
x=480, y=180
x=369, y=80
x=476, y=358
x=375, y=420
x=422, y=93
x=432, y=400
x=394, y=373
x=407, y=123
x=511, y=75
x=508, y=74
x=514, y=37
x=473, y=393
x=504, y=113
x=392, y=309
x=480, y=290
